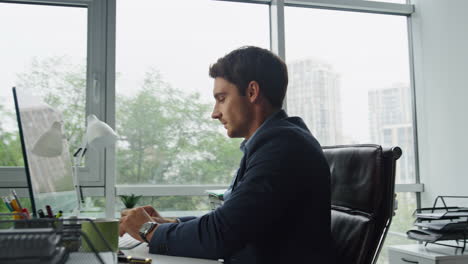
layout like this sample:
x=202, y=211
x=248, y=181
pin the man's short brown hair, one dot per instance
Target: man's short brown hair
x=246, y=64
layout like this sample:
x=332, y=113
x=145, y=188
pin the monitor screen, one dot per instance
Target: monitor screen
x=46, y=154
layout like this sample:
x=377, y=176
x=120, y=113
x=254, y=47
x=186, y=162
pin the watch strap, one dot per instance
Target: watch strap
x=149, y=230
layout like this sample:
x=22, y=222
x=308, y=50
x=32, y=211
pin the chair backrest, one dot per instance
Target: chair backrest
x=362, y=196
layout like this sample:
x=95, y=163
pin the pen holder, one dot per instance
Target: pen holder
x=52, y=244
x=70, y=240
x=103, y=233
x=17, y=215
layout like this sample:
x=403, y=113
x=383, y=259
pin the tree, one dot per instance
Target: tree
x=168, y=138
x=165, y=135
x=62, y=85
x=10, y=148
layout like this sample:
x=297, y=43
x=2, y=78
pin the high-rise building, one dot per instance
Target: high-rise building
x=390, y=124
x=314, y=95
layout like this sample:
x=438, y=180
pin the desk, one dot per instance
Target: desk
x=432, y=254
x=142, y=252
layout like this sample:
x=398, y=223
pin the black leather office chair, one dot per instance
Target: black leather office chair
x=362, y=196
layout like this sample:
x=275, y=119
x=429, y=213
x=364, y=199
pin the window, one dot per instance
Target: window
x=44, y=57
x=47, y=50
x=164, y=93
x=351, y=84
x=350, y=78
x=402, y=221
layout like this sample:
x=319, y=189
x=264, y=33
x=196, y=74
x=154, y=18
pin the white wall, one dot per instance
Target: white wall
x=440, y=33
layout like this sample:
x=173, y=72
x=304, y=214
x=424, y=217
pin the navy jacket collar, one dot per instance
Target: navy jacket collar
x=280, y=114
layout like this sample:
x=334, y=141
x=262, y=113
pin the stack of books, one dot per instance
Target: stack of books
x=32, y=245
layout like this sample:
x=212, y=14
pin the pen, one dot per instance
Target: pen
x=41, y=213
x=7, y=203
x=50, y=214
x=130, y=259
x=16, y=198
x=59, y=214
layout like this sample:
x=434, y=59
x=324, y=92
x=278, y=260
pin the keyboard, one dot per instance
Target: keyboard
x=128, y=242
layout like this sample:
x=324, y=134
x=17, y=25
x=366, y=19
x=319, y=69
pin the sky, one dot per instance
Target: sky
x=182, y=38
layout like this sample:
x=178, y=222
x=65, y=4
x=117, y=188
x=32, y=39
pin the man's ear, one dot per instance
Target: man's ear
x=253, y=91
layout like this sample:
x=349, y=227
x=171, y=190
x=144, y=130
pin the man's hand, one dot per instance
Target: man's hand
x=153, y=213
x=132, y=220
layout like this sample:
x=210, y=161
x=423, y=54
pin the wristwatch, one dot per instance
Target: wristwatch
x=146, y=228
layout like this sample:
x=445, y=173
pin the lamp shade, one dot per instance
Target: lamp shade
x=98, y=134
x=49, y=144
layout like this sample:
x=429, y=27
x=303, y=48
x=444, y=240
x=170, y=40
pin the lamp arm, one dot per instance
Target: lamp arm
x=76, y=182
x=77, y=159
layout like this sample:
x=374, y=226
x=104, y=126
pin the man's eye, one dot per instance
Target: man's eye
x=221, y=99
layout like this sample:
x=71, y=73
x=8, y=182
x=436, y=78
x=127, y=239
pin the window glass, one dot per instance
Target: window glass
x=173, y=205
x=43, y=51
x=401, y=222
x=349, y=79
x=168, y=206
x=164, y=93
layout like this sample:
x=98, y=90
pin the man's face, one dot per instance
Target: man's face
x=231, y=109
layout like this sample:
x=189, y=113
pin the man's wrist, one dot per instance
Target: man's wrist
x=149, y=236
x=146, y=229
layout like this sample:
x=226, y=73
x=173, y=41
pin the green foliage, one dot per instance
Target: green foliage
x=401, y=222
x=130, y=200
x=63, y=86
x=166, y=136
x=10, y=148
x=403, y=219
x=178, y=203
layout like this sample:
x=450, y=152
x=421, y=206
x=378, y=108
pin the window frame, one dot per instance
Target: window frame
x=100, y=75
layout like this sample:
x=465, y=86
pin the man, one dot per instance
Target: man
x=277, y=209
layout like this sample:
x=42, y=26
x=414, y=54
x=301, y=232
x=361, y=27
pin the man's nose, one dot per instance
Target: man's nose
x=215, y=114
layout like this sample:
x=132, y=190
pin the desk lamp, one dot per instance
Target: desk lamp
x=99, y=135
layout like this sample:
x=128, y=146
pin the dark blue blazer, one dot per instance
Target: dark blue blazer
x=277, y=212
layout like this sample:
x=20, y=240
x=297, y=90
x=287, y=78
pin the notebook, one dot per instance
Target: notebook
x=128, y=242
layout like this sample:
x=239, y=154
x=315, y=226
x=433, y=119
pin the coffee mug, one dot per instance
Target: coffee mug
x=109, y=229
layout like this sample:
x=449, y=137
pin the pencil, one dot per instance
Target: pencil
x=17, y=199
x=14, y=205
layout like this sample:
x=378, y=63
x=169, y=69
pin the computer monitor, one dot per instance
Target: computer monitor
x=49, y=174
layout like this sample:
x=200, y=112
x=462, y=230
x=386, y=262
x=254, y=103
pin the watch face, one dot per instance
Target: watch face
x=145, y=227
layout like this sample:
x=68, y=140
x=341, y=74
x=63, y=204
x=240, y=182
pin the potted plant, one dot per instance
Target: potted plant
x=130, y=200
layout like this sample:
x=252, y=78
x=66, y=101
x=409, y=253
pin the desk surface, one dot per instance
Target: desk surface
x=142, y=252
x=431, y=251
